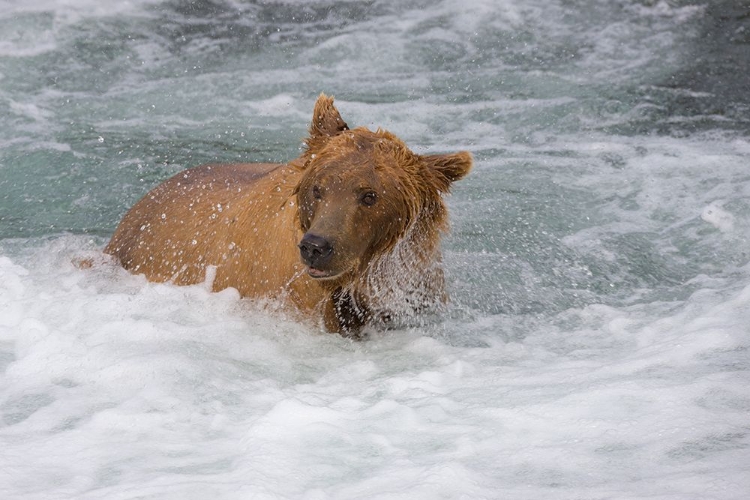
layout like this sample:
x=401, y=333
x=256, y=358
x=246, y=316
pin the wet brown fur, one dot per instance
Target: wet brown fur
x=246, y=220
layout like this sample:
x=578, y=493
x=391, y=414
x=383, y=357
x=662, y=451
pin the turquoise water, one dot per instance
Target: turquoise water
x=596, y=343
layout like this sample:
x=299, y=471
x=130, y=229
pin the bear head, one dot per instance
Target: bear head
x=361, y=192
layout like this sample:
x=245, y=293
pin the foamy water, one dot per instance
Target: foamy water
x=116, y=388
x=596, y=345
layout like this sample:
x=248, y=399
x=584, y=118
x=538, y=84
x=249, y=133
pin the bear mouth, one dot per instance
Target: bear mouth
x=319, y=274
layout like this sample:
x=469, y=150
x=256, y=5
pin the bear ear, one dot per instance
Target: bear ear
x=449, y=167
x=326, y=120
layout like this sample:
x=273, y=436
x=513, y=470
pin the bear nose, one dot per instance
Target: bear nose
x=315, y=250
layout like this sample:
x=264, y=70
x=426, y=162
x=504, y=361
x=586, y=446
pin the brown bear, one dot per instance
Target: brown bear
x=348, y=232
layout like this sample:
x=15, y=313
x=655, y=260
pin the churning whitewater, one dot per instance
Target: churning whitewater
x=596, y=342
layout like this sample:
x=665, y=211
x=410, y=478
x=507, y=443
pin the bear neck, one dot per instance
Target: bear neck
x=405, y=281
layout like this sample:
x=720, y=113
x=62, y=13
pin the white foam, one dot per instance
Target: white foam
x=178, y=392
x=278, y=105
x=718, y=217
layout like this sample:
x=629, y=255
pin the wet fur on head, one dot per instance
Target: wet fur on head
x=422, y=179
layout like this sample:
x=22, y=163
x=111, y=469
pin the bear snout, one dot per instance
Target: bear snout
x=315, y=252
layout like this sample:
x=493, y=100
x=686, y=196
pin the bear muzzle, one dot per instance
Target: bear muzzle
x=316, y=253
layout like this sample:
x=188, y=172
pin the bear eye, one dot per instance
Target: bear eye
x=368, y=199
x=316, y=193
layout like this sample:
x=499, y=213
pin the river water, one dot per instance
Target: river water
x=598, y=340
